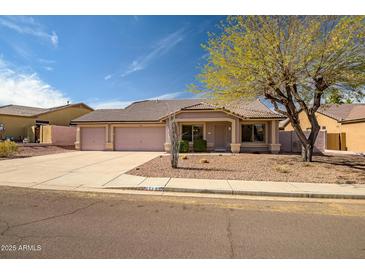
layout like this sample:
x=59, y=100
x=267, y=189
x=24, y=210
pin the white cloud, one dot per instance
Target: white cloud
x=28, y=25
x=110, y=104
x=107, y=77
x=46, y=61
x=168, y=96
x=161, y=48
x=27, y=89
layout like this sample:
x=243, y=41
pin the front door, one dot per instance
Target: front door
x=220, y=137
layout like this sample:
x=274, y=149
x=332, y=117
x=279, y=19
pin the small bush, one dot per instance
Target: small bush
x=8, y=148
x=203, y=161
x=200, y=145
x=184, y=146
x=282, y=169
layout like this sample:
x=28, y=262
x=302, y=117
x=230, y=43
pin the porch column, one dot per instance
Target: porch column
x=274, y=146
x=167, y=144
x=77, y=143
x=109, y=138
x=235, y=144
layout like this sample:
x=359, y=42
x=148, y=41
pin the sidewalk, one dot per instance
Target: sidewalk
x=238, y=187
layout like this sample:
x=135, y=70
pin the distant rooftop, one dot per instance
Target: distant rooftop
x=341, y=113
x=26, y=111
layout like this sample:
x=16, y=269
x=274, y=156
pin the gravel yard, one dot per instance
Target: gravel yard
x=260, y=167
x=29, y=151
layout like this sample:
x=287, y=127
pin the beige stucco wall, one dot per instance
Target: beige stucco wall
x=21, y=127
x=355, y=136
x=63, y=117
x=355, y=132
x=17, y=127
x=332, y=126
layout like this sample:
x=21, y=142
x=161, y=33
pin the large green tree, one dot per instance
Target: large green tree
x=293, y=61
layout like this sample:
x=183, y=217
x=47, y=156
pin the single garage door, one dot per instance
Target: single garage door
x=139, y=138
x=92, y=138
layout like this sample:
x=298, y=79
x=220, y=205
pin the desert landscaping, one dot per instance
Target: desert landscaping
x=344, y=169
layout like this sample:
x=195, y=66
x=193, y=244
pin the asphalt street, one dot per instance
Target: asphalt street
x=55, y=224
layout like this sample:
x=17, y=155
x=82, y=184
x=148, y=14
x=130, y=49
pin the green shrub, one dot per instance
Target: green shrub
x=8, y=148
x=200, y=145
x=184, y=146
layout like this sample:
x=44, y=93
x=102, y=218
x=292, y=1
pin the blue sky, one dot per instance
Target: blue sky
x=104, y=61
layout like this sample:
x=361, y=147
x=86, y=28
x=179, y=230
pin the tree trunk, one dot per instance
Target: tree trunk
x=174, y=141
x=307, y=153
x=307, y=142
x=174, y=160
x=312, y=137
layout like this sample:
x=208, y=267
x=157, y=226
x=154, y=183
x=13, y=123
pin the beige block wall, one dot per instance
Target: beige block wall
x=355, y=136
x=332, y=126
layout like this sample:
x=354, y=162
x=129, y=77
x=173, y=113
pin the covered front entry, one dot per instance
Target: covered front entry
x=139, y=138
x=220, y=137
x=93, y=138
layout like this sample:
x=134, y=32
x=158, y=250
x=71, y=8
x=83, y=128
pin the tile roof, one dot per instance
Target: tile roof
x=26, y=111
x=341, y=113
x=156, y=110
x=20, y=110
x=344, y=112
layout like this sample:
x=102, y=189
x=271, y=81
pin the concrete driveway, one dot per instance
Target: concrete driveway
x=72, y=169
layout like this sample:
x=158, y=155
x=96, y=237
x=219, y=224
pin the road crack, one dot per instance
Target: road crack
x=229, y=236
x=9, y=227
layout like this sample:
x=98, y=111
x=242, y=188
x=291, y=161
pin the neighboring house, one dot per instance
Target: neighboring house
x=345, y=126
x=142, y=126
x=19, y=122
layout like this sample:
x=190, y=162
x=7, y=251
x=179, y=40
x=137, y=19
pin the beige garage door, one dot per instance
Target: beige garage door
x=139, y=138
x=92, y=138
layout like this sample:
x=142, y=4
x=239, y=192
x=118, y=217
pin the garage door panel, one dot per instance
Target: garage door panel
x=140, y=138
x=93, y=138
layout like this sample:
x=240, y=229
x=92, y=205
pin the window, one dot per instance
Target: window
x=192, y=132
x=253, y=133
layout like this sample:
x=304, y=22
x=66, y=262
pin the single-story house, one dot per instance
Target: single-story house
x=19, y=122
x=345, y=125
x=236, y=127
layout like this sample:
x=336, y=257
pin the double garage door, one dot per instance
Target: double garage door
x=125, y=138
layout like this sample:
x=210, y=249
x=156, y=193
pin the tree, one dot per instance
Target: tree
x=174, y=139
x=293, y=61
x=337, y=97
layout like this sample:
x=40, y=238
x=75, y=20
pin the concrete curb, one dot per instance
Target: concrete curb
x=249, y=193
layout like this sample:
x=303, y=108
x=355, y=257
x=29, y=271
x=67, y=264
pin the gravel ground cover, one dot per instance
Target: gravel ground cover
x=30, y=151
x=260, y=167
